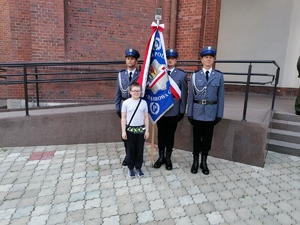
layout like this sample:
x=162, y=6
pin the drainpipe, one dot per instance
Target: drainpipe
x=173, y=23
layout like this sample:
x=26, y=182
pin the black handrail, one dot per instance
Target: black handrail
x=86, y=70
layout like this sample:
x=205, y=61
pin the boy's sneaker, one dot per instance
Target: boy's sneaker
x=140, y=172
x=131, y=173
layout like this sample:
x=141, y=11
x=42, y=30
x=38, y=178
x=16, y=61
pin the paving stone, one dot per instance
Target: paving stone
x=192, y=210
x=185, y=200
x=73, y=206
x=128, y=219
x=122, y=191
x=109, y=211
x=139, y=197
x=295, y=216
x=41, y=220
x=79, y=193
x=215, y=218
x=77, y=196
x=41, y=210
x=6, y=214
x=9, y=204
x=161, y=214
x=145, y=217
x=171, y=202
x=284, y=218
x=22, y=212
x=157, y=204
x=57, y=218
x=285, y=206
x=75, y=217
x=213, y=196
x=91, y=214
x=200, y=219
x=127, y=208
x=44, y=200
x=206, y=207
x=19, y=221
x=229, y=216
x=93, y=203
x=177, y=212
x=244, y=213
x=14, y=195
x=136, y=189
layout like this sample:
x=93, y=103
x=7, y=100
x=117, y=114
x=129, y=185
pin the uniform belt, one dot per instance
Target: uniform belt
x=205, y=102
x=124, y=99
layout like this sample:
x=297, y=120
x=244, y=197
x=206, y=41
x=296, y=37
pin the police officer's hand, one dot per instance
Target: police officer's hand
x=119, y=114
x=180, y=117
x=217, y=120
x=190, y=118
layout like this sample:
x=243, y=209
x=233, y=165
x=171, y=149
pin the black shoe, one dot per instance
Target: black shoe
x=203, y=165
x=161, y=160
x=297, y=113
x=169, y=165
x=195, y=165
x=124, y=163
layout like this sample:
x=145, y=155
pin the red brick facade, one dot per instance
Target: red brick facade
x=89, y=30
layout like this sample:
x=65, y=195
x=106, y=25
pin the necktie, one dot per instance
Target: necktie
x=169, y=72
x=206, y=75
x=130, y=76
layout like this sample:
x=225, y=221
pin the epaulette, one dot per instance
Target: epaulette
x=122, y=70
x=219, y=71
x=180, y=70
x=197, y=71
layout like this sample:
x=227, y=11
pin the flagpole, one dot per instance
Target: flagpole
x=152, y=147
x=157, y=17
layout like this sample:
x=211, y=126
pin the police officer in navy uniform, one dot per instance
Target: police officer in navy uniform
x=125, y=78
x=205, y=106
x=167, y=124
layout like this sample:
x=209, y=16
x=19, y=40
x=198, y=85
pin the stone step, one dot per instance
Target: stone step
x=284, y=135
x=284, y=147
x=287, y=117
x=285, y=125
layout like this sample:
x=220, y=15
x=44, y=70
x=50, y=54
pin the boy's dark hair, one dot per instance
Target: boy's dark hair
x=134, y=84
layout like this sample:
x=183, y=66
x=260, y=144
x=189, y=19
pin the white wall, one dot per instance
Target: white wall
x=261, y=30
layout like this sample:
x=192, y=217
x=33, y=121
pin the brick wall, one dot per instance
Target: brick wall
x=5, y=31
x=102, y=30
x=89, y=30
x=47, y=31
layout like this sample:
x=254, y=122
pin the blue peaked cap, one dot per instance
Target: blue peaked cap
x=208, y=50
x=132, y=52
x=172, y=53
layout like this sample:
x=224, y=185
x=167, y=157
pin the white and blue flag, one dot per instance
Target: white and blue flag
x=153, y=78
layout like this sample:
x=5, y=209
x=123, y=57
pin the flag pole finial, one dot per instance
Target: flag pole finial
x=158, y=15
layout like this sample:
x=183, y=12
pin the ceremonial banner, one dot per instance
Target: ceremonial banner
x=153, y=78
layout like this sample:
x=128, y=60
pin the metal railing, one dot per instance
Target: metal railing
x=39, y=72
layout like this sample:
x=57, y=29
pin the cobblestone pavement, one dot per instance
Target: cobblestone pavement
x=86, y=184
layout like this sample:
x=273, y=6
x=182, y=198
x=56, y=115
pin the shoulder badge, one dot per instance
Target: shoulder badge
x=219, y=71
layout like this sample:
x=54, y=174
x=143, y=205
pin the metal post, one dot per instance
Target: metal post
x=37, y=88
x=25, y=90
x=247, y=92
x=275, y=88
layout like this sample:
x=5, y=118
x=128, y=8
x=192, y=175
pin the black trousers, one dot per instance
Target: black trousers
x=166, y=127
x=202, y=136
x=135, y=150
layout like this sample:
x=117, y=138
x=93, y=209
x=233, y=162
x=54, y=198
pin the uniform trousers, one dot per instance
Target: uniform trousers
x=166, y=127
x=297, y=102
x=202, y=136
x=135, y=150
